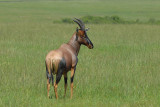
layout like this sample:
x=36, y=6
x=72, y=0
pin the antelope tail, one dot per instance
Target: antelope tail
x=49, y=72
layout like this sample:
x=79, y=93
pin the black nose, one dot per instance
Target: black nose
x=91, y=44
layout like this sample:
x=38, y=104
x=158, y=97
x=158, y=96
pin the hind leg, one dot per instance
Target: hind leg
x=61, y=67
x=65, y=83
x=58, y=78
x=49, y=78
x=48, y=87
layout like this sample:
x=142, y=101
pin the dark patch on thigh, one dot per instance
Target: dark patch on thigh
x=61, y=69
x=62, y=64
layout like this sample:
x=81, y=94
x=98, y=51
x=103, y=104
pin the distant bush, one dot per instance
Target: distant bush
x=101, y=20
x=67, y=20
x=137, y=20
x=108, y=20
x=96, y=20
x=116, y=19
x=151, y=20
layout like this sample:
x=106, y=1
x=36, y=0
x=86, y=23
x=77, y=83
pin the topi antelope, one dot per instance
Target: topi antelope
x=65, y=59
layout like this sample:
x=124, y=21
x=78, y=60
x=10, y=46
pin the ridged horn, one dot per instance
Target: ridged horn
x=80, y=23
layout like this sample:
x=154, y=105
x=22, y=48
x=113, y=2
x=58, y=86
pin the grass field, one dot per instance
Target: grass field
x=121, y=70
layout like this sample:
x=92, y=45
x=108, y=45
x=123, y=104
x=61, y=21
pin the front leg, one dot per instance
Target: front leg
x=72, y=76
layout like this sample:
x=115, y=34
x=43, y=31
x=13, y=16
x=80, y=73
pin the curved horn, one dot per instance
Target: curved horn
x=80, y=23
x=77, y=23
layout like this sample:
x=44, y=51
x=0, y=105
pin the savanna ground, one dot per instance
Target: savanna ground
x=121, y=70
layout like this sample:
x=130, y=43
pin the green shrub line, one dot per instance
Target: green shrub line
x=108, y=20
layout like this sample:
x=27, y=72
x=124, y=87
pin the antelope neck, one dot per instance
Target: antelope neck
x=75, y=44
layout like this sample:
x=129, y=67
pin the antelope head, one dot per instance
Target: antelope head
x=81, y=35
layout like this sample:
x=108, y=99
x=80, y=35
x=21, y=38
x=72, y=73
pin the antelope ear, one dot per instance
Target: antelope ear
x=86, y=29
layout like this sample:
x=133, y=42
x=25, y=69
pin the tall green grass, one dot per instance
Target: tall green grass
x=121, y=70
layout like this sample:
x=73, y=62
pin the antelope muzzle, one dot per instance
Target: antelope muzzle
x=89, y=43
